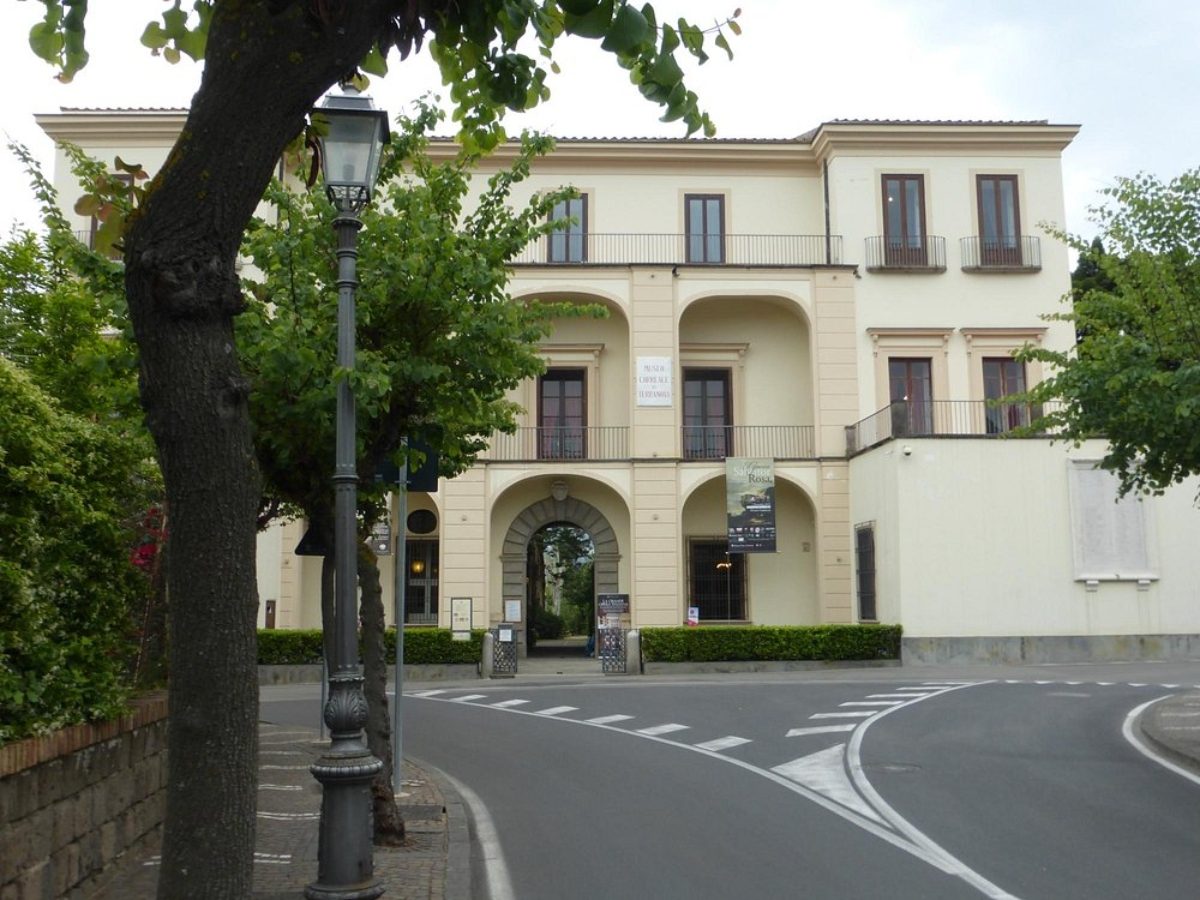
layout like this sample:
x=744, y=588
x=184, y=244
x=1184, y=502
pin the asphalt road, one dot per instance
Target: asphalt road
x=891, y=784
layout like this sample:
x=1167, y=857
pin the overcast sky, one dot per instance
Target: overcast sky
x=1127, y=72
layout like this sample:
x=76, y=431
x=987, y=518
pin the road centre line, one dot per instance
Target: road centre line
x=870, y=703
x=896, y=696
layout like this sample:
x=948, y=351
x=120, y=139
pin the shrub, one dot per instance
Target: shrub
x=423, y=646
x=768, y=642
x=546, y=625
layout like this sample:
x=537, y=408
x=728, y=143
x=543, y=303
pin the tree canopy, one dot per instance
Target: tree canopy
x=1133, y=376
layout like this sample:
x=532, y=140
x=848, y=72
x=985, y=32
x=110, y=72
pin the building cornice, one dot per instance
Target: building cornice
x=113, y=126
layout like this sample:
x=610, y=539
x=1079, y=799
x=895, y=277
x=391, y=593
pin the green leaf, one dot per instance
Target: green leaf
x=594, y=24
x=629, y=30
x=154, y=37
x=374, y=62
x=578, y=7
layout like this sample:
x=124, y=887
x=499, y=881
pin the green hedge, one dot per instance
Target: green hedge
x=422, y=647
x=767, y=642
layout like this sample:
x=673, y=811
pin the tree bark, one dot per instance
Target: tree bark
x=389, y=824
x=266, y=65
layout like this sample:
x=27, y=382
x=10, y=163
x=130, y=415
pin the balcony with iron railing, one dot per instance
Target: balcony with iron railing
x=947, y=418
x=925, y=253
x=554, y=444
x=1013, y=253
x=716, y=442
x=682, y=249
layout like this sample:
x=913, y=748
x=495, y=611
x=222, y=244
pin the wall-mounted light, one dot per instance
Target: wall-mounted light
x=417, y=566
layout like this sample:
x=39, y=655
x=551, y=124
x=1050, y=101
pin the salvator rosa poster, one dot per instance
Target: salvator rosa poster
x=750, y=504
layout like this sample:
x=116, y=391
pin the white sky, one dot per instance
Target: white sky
x=1127, y=72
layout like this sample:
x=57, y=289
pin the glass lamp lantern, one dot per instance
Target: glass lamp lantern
x=351, y=147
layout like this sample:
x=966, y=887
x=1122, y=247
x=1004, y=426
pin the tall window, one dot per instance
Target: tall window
x=910, y=383
x=562, y=414
x=864, y=561
x=707, y=414
x=717, y=580
x=421, y=583
x=904, y=220
x=1003, y=376
x=570, y=244
x=705, y=225
x=999, y=221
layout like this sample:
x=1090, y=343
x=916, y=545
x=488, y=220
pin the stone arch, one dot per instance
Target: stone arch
x=547, y=512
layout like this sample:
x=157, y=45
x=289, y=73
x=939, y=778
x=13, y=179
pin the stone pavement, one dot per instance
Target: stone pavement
x=434, y=864
x=1173, y=728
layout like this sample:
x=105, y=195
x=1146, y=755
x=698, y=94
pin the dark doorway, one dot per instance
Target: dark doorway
x=561, y=593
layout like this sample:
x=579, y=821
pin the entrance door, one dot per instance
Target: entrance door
x=562, y=414
x=707, y=414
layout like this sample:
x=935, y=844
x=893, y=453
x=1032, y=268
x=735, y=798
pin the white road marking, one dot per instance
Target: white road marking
x=556, y=710
x=825, y=773
x=1181, y=715
x=870, y=703
x=1137, y=684
x=466, y=698
x=896, y=696
x=821, y=729
x=290, y=817
x=488, y=838
x=923, y=846
x=857, y=714
x=508, y=704
x=666, y=728
x=281, y=787
x=724, y=743
x=288, y=768
x=1106, y=683
x=1170, y=686
x=1131, y=735
x=427, y=693
x=607, y=720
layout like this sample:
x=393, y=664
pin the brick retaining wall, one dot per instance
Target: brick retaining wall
x=73, y=801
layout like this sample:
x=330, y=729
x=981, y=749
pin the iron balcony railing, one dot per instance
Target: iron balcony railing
x=717, y=442
x=926, y=253
x=560, y=443
x=1011, y=253
x=944, y=418
x=682, y=249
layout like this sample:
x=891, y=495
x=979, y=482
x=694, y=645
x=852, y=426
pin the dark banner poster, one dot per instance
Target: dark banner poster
x=750, y=504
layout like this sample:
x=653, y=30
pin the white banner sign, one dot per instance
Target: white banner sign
x=654, y=379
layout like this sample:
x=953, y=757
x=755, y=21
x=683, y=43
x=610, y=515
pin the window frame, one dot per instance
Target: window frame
x=566, y=238
x=558, y=445
x=865, y=581
x=708, y=449
x=916, y=416
x=706, y=235
x=900, y=254
x=1004, y=417
x=738, y=574
x=1007, y=249
x=428, y=584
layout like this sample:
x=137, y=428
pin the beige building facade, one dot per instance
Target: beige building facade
x=843, y=304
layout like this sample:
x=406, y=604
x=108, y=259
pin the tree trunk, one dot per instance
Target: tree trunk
x=389, y=825
x=266, y=64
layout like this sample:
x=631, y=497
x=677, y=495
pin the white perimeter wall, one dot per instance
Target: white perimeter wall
x=973, y=537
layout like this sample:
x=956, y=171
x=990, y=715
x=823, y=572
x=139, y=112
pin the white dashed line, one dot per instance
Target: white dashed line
x=508, y=704
x=870, y=703
x=667, y=728
x=427, y=693
x=821, y=729
x=556, y=710
x=724, y=743
x=857, y=714
x=466, y=698
x=607, y=720
x=895, y=696
x=281, y=787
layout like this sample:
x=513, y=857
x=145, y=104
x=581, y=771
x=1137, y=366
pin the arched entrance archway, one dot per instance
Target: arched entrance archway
x=569, y=510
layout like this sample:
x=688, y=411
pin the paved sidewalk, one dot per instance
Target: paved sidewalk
x=1173, y=727
x=434, y=864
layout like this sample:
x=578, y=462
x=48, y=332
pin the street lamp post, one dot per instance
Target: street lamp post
x=350, y=153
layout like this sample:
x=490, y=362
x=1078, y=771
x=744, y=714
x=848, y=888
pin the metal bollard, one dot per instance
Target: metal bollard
x=633, y=653
x=487, y=658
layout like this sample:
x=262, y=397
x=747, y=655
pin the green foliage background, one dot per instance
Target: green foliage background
x=765, y=643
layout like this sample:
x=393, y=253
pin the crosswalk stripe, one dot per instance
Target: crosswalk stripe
x=505, y=704
x=821, y=729
x=870, y=703
x=556, y=710
x=662, y=729
x=465, y=698
x=607, y=720
x=433, y=693
x=856, y=714
x=895, y=696
x=724, y=743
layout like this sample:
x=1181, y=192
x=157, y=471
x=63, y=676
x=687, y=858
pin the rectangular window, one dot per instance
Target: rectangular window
x=910, y=383
x=707, y=414
x=704, y=216
x=562, y=414
x=999, y=221
x=421, y=583
x=904, y=220
x=864, y=561
x=570, y=244
x=1003, y=376
x=717, y=580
